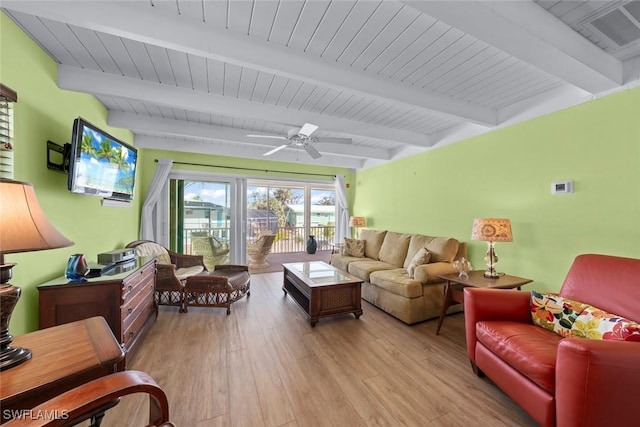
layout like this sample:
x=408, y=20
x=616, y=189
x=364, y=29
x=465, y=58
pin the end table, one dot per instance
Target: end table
x=454, y=289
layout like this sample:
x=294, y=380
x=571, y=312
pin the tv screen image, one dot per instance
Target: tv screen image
x=101, y=165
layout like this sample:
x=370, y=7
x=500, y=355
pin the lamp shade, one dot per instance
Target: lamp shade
x=357, y=221
x=492, y=230
x=23, y=225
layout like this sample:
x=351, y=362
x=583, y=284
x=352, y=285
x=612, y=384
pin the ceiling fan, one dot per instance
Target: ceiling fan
x=302, y=138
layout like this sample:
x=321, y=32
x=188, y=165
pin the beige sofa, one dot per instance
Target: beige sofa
x=387, y=284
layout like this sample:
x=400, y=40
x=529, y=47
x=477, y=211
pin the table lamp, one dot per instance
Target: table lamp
x=491, y=230
x=23, y=228
x=357, y=222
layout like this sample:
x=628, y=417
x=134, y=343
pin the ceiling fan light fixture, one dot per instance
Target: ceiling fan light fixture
x=307, y=129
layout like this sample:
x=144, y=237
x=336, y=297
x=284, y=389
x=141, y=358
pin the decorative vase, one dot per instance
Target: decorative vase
x=463, y=267
x=312, y=245
x=77, y=268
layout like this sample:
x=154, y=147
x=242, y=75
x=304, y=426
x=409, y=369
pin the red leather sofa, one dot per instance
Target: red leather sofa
x=560, y=381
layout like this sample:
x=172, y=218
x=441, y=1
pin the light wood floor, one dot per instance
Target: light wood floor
x=264, y=365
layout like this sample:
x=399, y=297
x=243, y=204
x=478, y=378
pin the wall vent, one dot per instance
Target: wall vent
x=620, y=26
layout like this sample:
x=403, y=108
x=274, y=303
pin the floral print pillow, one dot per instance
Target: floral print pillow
x=353, y=247
x=555, y=313
x=597, y=324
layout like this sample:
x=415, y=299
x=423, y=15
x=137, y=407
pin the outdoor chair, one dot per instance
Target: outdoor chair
x=213, y=251
x=173, y=270
x=259, y=249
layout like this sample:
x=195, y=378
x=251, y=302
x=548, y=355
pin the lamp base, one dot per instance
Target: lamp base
x=9, y=296
x=13, y=356
x=491, y=259
x=491, y=274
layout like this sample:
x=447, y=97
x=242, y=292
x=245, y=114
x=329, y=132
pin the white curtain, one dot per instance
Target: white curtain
x=149, y=212
x=342, y=210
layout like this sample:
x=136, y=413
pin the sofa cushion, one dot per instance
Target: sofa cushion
x=363, y=269
x=372, y=242
x=418, y=241
x=397, y=281
x=421, y=257
x=443, y=249
x=394, y=248
x=527, y=348
x=353, y=247
x=183, y=273
x=555, y=313
x=342, y=262
x=597, y=324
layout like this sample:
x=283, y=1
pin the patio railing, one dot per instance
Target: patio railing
x=289, y=239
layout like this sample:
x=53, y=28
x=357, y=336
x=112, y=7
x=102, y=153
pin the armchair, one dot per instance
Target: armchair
x=259, y=249
x=561, y=381
x=173, y=270
x=91, y=399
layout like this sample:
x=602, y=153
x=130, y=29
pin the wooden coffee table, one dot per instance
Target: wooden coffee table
x=454, y=289
x=322, y=290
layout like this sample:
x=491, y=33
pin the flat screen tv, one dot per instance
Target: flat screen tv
x=101, y=165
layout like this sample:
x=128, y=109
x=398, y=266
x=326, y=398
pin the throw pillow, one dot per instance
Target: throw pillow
x=597, y=324
x=353, y=247
x=421, y=257
x=555, y=313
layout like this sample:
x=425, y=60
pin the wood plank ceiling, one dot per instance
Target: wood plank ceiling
x=396, y=77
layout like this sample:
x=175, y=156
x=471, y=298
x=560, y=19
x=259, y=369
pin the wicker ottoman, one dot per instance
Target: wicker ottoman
x=218, y=288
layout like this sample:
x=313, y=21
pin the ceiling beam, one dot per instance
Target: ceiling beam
x=179, y=128
x=97, y=82
x=528, y=32
x=140, y=22
x=230, y=149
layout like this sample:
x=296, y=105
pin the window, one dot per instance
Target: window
x=7, y=98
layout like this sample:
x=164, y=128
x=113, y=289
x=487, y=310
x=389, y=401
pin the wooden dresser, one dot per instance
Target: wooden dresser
x=124, y=298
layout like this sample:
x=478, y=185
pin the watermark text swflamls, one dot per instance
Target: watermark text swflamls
x=31, y=414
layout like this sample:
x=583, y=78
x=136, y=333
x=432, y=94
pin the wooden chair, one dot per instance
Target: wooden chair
x=213, y=251
x=259, y=249
x=173, y=270
x=90, y=400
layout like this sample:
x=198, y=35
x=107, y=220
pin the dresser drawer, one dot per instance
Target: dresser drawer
x=131, y=332
x=144, y=294
x=133, y=284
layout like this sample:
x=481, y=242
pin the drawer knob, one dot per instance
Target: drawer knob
x=129, y=310
x=131, y=334
x=130, y=287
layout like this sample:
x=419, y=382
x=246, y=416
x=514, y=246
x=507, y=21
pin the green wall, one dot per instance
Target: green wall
x=45, y=112
x=508, y=173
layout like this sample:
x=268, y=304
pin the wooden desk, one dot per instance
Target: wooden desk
x=453, y=291
x=63, y=357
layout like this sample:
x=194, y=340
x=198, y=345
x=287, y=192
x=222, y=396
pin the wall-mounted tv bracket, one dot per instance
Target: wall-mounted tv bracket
x=58, y=156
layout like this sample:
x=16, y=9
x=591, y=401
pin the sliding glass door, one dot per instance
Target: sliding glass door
x=216, y=215
x=293, y=211
x=203, y=219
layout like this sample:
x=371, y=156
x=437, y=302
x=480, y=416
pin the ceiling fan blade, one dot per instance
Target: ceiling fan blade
x=307, y=129
x=268, y=153
x=312, y=151
x=267, y=136
x=333, y=140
